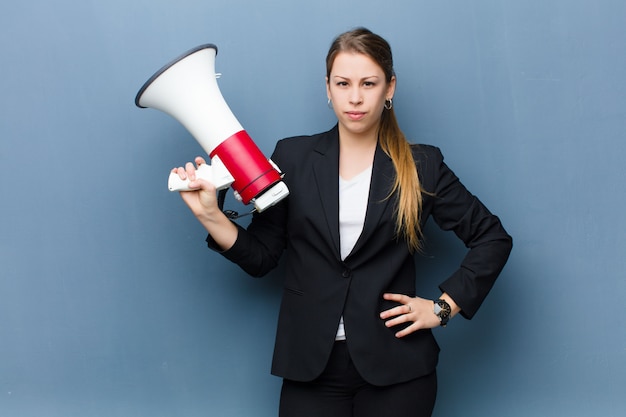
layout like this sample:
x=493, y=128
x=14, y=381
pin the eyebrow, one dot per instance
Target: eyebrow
x=364, y=78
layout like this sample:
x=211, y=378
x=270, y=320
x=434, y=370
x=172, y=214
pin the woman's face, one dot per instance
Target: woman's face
x=358, y=90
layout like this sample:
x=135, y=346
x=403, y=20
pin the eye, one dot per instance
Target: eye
x=341, y=83
x=369, y=84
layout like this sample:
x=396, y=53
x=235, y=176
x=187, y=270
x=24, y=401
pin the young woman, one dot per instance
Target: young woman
x=353, y=337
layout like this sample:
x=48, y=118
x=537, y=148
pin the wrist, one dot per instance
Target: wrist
x=442, y=310
x=221, y=229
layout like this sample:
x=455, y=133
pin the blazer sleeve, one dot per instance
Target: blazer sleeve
x=454, y=208
x=258, y=247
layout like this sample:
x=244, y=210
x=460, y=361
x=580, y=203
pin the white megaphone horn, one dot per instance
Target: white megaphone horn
x=187, y=90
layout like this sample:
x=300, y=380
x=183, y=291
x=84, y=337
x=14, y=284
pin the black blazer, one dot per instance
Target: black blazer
x=319, y=287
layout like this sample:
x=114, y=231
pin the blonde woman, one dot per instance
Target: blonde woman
x=354, y=338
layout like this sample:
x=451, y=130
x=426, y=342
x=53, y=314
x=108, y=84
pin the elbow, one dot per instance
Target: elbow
x=259, y=269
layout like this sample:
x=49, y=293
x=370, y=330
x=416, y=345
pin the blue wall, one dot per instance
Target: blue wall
x=110, y=304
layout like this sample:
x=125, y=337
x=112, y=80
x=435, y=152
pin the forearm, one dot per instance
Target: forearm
x=221, y=229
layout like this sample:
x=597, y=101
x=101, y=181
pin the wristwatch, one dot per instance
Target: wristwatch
x=442, y=310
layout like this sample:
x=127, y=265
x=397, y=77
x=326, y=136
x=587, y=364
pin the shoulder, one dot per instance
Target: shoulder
x=426, y=154
x=296, y=147
x=429, y=164
x=314, y=141
x=297, y=142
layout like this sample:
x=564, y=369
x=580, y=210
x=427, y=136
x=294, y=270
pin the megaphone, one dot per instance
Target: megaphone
x=187, y=90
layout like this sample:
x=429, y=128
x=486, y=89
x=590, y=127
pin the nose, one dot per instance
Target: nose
x=355, y=96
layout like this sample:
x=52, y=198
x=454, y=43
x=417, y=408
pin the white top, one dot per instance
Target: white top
x=353, y=195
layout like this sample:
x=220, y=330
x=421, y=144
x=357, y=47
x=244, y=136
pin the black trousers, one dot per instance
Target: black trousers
x=341, y=392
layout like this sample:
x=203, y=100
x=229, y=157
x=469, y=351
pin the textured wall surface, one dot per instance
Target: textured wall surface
x=110, y=303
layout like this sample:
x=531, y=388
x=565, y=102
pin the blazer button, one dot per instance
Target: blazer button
x=346, y=273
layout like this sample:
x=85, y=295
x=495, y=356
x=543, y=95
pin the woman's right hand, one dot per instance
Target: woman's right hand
x=202, y=201
x=202, y=198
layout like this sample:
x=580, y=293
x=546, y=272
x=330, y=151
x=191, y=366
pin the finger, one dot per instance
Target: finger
x=191, y=171
x=398, y=320
x=396, y=311
x=205, y=186
x=401, y=298
x=181, y=172
x=199, y=160
x=407, y=331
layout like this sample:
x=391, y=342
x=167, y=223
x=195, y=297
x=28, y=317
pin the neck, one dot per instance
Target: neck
x=349, y=141
x=356, y=153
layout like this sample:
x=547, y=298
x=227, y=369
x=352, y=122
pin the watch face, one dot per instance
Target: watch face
x=442, y=308
x=437, y=308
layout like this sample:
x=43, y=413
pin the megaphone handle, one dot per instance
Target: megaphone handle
x=220, y=178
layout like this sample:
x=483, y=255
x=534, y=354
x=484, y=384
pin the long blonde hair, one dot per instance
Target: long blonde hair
x=391, y=139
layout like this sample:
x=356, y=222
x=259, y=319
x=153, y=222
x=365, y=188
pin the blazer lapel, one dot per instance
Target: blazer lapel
x=383, y=174
x=326, y=171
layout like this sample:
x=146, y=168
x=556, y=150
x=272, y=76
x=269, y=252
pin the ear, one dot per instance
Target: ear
x=327, y=89
x=391, y=88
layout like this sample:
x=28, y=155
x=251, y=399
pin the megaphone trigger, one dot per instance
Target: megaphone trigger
x=216, y=174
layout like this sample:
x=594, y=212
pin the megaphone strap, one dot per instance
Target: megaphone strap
x=231, y=214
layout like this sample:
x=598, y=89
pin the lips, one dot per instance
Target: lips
x=355, y=115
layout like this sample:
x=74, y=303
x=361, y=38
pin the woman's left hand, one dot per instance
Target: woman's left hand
x=417, y=311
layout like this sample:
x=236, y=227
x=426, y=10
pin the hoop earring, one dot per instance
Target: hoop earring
x=330, y=104
x=388, y=104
